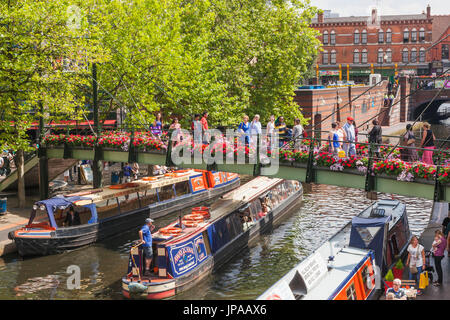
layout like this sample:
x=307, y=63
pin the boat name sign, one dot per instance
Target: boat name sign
x=187, y=255
x=312, y=270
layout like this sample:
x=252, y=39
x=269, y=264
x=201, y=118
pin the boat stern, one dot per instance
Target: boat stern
x=152, y=289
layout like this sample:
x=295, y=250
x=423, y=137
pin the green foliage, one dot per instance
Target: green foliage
x=399, y=265
x=389, y=276
x=227, y=57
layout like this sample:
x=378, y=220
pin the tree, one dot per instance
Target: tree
x=43, y=61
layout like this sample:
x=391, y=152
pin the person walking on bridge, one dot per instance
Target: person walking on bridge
x=349, y=145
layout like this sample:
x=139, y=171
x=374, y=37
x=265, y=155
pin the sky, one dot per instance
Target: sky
x=347, y=8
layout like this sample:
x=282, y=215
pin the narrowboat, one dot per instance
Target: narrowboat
x=105, y=212
x=351, y=263
x=189, y=249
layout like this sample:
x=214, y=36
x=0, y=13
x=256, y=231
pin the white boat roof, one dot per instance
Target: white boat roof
x=106, y=192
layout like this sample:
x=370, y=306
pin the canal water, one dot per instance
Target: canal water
x=321, y=213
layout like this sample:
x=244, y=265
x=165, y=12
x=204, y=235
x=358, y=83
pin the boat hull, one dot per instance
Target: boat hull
x=70, y=238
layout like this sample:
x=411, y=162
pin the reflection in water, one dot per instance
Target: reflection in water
x=323, y=211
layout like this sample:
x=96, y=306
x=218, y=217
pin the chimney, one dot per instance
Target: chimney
x=428, y=12
x=320, y=17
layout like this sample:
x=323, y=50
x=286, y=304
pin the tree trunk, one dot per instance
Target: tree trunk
x=21, y=178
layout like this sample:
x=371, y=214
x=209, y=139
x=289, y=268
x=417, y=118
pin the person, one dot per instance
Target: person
x=127, y=172
x=341, y=135
x=416, y=257
x=375, y=137
x=427, y=143
x=243, y=129
x=135, y=170
x=204, y=122
x=156, y=126
x=177, y=130
x=391, y=99
x=349, y=129
x=280, y=128
x=196, y=126
x=66, y=176
x=72, y=218
x=438, y=248
x=255, y=128
x=333, y=140
x=270, y=130
x=396, y=290
x=297, y=134
x=145, y=235
x=386, y=99
x=408, y=140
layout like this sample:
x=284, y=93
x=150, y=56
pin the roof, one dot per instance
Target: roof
x=440, y=26
x=365, y=18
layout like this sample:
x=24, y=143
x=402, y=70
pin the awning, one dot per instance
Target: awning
x=61, y=202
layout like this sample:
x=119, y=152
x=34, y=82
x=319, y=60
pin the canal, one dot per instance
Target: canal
x=323, y=210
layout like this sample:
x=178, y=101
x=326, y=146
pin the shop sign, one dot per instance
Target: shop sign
x=328, y=72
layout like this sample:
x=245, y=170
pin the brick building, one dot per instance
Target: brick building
x=354, y=47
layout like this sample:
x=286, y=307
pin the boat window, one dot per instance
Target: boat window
x=351, y=292
x=366, y=279
x=182, y=188
x=256, y=209
x=166, y=193
x=61, y=214
x=246, y=219
x=40, y=215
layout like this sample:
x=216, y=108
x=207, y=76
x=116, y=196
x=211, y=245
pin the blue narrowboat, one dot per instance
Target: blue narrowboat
x=189, y=249
x=107, y=211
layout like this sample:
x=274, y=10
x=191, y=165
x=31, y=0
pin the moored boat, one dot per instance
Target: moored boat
x=189, y=249
x=351, y=263
x=105, y=212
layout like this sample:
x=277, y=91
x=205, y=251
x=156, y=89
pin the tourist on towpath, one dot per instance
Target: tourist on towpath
x=145, y=235
x=427, y=143
x=349, y=145
x=255, y=128
x=333, y=140
x=375, y=137
x=415, y=261
x=297, y=134
x=438, y=249
x=176, y=127
x=398, y=292
x=270, y=131
x=408, y=140
x=243, y=130
x=127, y=171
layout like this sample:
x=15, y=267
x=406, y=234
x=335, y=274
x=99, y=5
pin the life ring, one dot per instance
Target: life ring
x=205, y=214
x=149, y=179
x=189, y=224
x=200, y=209
x=173, y=231
x=194, y=217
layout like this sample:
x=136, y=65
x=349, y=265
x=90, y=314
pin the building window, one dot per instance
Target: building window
x=351, y=292
x=422, y=55
x=406, y=36
x=364, y=56
x=388, y=56
x=414, y=35
x=388, y=36
x=380, y=36
x=422, y=35
x=325, y=57
x=444, y=52
x=414, y=55
x=325, y=37
x=333, y=57
x=364, y=37
x=380, y=56
x=356, y=37
x=356, y=56
x=405, y=56
x=332, y=38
